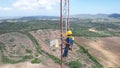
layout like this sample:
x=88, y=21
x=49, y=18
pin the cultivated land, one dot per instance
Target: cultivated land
x=25, y=44
x=19, y=48
x=43, y=37
x=106, y=50
x=75, y=55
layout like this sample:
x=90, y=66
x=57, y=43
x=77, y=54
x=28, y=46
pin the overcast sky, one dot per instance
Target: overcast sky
x=51, y=7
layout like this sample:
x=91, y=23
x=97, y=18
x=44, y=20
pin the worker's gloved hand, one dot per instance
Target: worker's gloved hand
x=62, y=34
x=64, y=42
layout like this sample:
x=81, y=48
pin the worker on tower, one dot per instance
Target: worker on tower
x=68, y=43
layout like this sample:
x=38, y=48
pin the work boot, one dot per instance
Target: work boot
x=70, y=49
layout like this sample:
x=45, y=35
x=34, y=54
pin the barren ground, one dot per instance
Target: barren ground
x=22, y=42
x=106, y=50
x=49, y=64
x=45, y=36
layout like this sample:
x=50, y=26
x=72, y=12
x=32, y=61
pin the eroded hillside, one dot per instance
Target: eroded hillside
x=35, y=44
x=106, y=50
x=16, y=47
x=17, y=50
x=45, y=36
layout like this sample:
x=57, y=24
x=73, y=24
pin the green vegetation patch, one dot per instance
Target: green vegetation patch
x=28, y=51
x=12, y=40
x=6, y=27
x=75, y=64
x=5, y=60
x=28, y=57
x=82, y=29
x=36, y=54
x=1, y=45
x=79, y=27
x=36, y=60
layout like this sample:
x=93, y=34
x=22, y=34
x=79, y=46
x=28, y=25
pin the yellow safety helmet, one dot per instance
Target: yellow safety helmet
x=69, y=32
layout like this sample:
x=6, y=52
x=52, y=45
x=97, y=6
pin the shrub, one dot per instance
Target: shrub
x=28, y=51
x=75, y=64
x=36, y=54
x=1, y=45
x=28, y=57
x=12, y=40
x=36, y=60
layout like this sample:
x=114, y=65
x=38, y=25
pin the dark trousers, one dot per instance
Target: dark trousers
x=65, y=51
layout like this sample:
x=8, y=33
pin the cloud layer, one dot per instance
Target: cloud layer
x=5, y=8
x=31, y=5
x=35, y=4
x=48, y=4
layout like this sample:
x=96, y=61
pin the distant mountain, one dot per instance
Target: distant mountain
x=29, y=17
x=91, y=16
x=82, y=16
x=115, y=15
x=38, y=17
x=9, y=17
